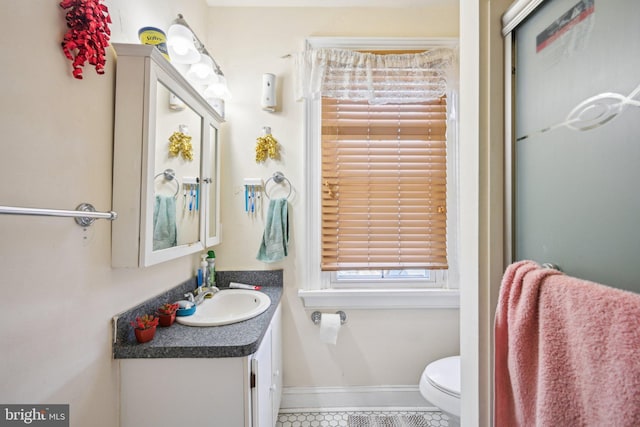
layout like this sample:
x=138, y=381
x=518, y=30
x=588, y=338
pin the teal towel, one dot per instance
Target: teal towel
x=276, y=232
x=164, y=222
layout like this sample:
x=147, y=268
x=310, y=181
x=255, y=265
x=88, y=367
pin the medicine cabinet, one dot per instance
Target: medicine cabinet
x=166, y=169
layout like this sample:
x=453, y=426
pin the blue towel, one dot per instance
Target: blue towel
x=276, y=232
x=164, y=222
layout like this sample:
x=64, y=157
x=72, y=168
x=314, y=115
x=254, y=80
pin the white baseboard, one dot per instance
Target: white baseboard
x=408, y=397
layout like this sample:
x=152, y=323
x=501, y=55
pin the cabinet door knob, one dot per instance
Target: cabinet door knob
x=207, y=180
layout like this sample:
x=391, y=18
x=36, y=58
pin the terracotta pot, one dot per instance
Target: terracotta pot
x=166, y=319
x=145, y=335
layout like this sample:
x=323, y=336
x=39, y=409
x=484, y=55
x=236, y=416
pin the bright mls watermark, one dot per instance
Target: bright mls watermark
x=34, y=415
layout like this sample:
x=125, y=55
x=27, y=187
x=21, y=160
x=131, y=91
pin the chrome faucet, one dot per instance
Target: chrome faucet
x=201, y=294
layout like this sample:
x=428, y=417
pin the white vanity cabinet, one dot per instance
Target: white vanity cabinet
x=199, y=392
x=166, y=163
x=267, y=368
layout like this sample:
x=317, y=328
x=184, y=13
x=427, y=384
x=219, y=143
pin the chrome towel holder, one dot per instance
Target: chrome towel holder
x=277, y=177
x=316, y=316
x=551, y=266
x=84, y=215
x=170, y=175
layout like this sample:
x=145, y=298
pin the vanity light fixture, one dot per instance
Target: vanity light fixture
x=186, y=48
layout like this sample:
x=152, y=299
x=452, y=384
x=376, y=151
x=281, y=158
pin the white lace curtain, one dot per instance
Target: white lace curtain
x=379, y=79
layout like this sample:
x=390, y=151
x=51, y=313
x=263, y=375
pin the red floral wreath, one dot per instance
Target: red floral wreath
x=88, y=34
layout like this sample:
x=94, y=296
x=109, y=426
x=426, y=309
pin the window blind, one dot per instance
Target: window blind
x=384, y=179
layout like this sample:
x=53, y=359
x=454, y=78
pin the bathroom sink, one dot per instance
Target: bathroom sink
x=228, y=306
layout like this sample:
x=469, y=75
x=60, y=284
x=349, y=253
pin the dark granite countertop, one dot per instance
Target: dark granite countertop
x=180, y=341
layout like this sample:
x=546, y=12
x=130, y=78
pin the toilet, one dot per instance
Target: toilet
x=440, y=385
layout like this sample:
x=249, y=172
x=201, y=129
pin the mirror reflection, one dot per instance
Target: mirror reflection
x=177, y=197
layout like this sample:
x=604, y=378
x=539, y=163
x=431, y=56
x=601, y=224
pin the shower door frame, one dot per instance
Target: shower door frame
x=515, y=15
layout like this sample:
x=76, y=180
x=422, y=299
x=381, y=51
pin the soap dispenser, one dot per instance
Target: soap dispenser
x=211, y=269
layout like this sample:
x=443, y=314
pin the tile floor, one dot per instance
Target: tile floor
x=338, y=418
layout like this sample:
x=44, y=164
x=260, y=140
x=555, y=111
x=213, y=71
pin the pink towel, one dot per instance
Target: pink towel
x=567, y=351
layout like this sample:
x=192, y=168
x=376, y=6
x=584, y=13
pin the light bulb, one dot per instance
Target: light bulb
x=218, y=89
x=181, y=45
x=202, y=71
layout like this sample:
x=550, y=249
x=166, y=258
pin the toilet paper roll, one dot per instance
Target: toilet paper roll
x=329, y=328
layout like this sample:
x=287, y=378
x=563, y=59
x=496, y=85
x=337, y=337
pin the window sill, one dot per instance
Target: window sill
x=380, y=298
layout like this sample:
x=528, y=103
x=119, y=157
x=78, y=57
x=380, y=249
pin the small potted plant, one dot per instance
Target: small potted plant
x=145, y=327
x=167, y=314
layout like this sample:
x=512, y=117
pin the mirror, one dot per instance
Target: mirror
x=176, y=185
x=166, y=162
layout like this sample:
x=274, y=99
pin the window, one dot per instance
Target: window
x=406, y=278
x=381, y=161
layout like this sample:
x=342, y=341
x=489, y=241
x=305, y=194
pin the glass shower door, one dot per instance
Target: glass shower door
x=577, y=139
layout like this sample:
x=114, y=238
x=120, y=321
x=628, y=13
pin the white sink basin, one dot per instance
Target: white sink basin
x=226, y=307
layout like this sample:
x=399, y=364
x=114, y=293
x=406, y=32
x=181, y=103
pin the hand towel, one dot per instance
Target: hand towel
x=566, y=351
x=164, y=222
x=275, y=239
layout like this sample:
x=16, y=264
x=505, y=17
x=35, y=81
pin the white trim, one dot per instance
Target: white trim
x=380, y=298
x=312, y=162
x=316, y=288
x=472, y=332
x=363, y=397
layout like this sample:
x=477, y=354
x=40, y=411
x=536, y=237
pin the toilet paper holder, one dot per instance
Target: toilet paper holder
x=316, y=315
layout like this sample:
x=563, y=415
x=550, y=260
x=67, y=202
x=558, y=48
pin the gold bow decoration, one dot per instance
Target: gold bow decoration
x=266, y=146
x=180, y=143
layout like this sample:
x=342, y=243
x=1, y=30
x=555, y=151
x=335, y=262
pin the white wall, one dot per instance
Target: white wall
x=375, y=347
x=59, y=291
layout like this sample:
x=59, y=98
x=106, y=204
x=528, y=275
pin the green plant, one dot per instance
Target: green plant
x=147, y=321
x=168, y=308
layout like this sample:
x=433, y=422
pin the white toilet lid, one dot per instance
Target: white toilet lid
x=444, y=374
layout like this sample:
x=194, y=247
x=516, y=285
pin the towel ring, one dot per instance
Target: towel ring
x=278, y=178
x=170, y=175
